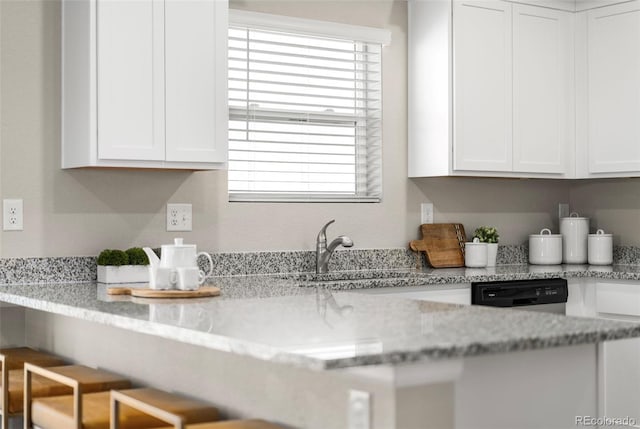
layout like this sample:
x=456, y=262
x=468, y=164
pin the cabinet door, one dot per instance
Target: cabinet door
x=196, y=80
x=482, y=70
x=613, y=89
x=542, y=82
x=620, y=376
x=130, y=80
x=620, y=362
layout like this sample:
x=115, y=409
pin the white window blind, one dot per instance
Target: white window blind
x=305, y=116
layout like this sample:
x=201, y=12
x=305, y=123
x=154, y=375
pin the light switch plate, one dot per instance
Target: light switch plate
x=179, y=217
x=426, y=213
x=563, y=210
x=12, y=214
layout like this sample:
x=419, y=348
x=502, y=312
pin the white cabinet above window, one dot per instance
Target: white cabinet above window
x=491, y=89
x=144, y=83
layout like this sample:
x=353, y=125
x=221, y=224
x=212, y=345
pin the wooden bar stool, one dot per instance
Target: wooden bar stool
x=12, y=362
x=123, y=401
x=47, y=411
x=59, y=412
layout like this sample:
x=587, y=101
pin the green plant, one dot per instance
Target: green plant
x=113, y=257
x=486, y=234
x=137, y=256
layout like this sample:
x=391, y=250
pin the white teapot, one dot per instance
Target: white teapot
x=177, y=267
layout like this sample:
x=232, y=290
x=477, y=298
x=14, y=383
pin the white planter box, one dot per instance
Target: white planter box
x=123, y=274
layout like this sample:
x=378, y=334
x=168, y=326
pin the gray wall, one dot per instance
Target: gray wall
x=80, y=212
x=612, y=204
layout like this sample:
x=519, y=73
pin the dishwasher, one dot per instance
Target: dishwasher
x=546, y=295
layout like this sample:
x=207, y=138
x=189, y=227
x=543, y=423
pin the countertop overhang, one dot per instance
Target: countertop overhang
x=274, y=318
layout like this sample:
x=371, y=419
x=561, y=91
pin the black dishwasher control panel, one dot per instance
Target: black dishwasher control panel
x=517, y=293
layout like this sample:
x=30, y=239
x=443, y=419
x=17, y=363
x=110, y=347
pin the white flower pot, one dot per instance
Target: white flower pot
x=123, y=274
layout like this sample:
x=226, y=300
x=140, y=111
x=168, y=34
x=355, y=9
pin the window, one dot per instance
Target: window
x=305, y=110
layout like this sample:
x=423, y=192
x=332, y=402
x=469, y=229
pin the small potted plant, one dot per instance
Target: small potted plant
x=489, y=235
x=117, y=266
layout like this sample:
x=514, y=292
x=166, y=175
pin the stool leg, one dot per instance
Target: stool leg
x=27, y=399
x=114, y=413
x=5, y=393
x=77, y=406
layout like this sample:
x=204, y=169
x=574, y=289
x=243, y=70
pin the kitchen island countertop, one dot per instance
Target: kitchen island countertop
x=278, y=319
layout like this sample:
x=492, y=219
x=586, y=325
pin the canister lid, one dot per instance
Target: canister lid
x=547, y=235
x=600, y=233
x=475, y=242
x=574, y=216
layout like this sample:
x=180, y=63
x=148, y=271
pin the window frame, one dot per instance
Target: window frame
x=313, y=28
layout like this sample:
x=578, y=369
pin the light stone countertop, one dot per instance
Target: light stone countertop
x=401, y=278
x=273, y=318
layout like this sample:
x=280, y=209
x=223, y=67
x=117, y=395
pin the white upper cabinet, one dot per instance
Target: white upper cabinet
x=543, y=106
x=144, y=84
x=507, y=71
x=482, y=67
x=609, y=102
x=130, y=111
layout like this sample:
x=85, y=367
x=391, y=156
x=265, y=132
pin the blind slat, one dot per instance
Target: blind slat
x=293, y=84
x=304, y=75
x=300, y=65
x=349, y=63
x=287, y=162
x=355, y=49
x=297, y=94
x=291, y=103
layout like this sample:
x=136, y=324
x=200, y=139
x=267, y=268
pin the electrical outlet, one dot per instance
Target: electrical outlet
x=426, y=213
x=563, y=210
x=12, y=211
x=179, y=217
x=359, y=409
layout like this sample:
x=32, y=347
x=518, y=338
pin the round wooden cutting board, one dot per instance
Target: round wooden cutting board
x=173, y=293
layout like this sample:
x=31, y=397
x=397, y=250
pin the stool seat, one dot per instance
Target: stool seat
x=231, y=424
x=90, y=379
x=14, y=358
x=40, y=386
x=190, y=410
x=12, y=362
x=165, y=406
x=56, y=412
x=60, y=411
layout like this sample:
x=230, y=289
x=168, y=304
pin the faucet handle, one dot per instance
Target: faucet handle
x=322, y=236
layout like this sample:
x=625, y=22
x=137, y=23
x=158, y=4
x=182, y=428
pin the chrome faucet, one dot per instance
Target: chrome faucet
x=324, y=252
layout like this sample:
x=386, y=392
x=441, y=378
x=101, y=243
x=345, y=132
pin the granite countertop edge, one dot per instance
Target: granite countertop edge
x=451, y=276
x=605, y=331
x=79, y=300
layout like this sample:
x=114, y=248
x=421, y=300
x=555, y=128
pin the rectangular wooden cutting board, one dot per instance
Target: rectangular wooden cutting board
x=443, y=244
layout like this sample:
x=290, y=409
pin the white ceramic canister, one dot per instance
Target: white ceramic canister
x=600, y=248
x=545, y=248
x=574, y=230
x=475, y=254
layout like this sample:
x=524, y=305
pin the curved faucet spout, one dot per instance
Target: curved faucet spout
x=343, y=241
x=324, y=252
x=322, y=235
